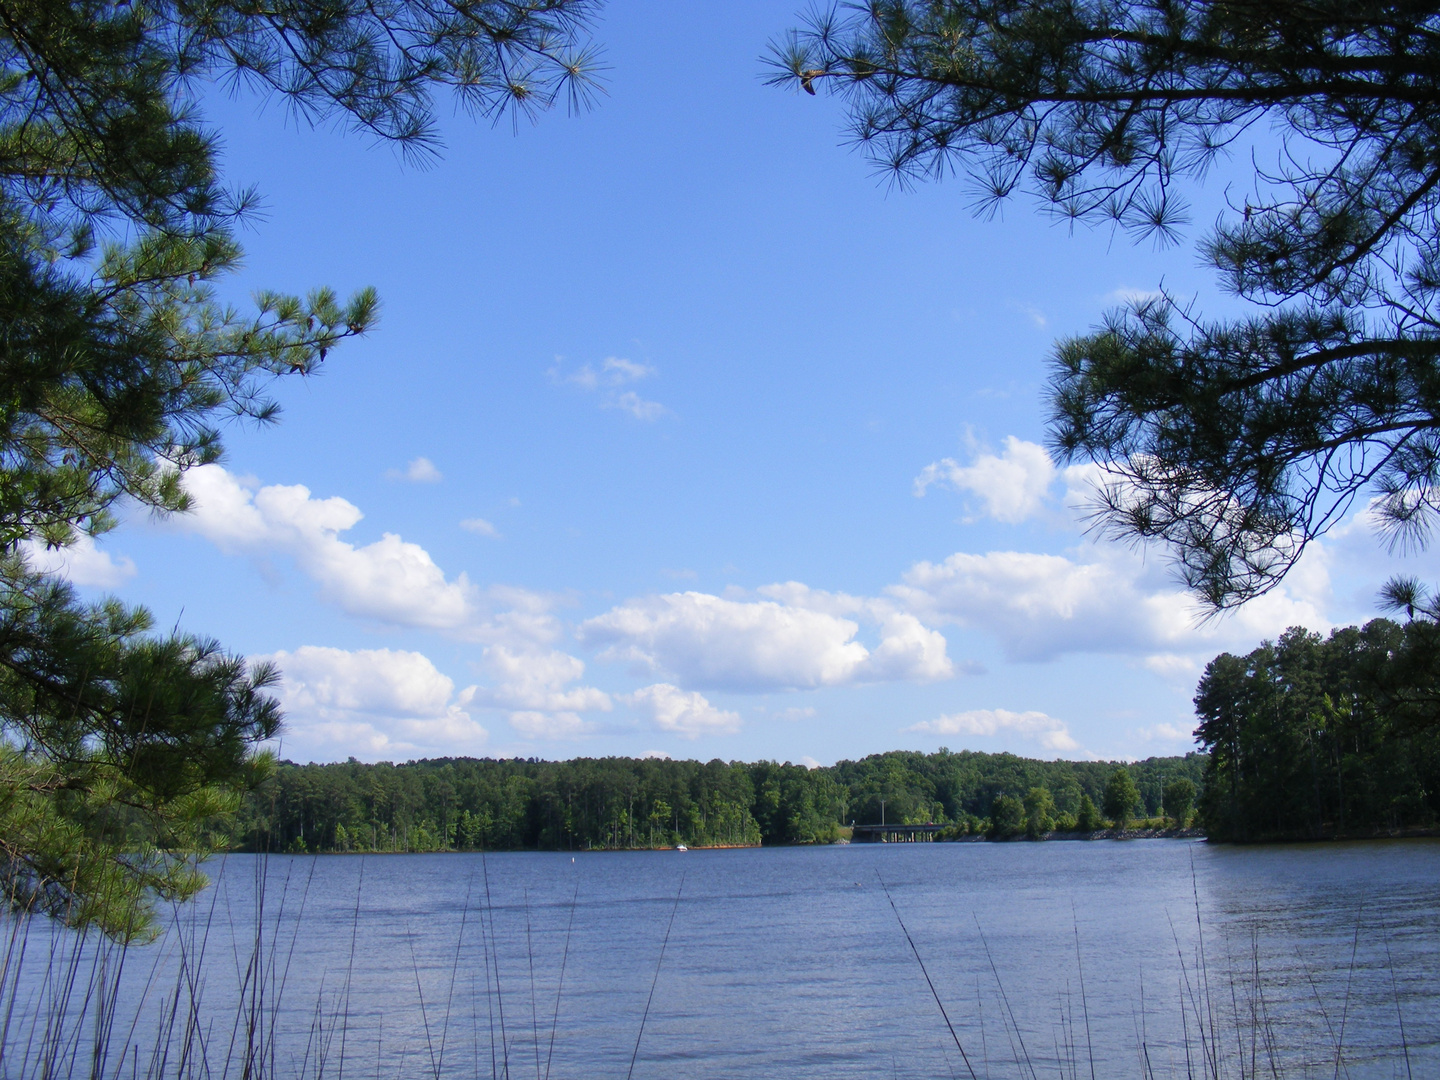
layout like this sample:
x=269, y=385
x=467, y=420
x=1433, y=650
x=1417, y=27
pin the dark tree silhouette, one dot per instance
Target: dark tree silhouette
x=1236, y=442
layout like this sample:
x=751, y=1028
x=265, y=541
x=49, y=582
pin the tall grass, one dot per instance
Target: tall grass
x=64, y=992
x=1230, y=1030
x=73, y=1004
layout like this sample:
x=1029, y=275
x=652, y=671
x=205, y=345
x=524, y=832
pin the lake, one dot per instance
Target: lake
x=1126, y=959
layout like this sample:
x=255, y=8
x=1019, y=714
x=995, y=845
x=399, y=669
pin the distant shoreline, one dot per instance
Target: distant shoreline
x=1097, y=835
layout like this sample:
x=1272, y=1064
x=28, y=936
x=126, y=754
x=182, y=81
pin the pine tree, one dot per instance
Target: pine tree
x=1234, y=442
x=119, y=365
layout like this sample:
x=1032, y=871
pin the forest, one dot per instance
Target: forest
x=616, y=802
x=1312, y=736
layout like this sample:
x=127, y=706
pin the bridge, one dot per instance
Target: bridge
x=896, y=834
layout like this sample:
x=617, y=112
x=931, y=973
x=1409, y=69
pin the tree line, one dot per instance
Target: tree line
x=617, y=802
x=1313, y=736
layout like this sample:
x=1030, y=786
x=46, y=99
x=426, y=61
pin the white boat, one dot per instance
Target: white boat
x=681, y=847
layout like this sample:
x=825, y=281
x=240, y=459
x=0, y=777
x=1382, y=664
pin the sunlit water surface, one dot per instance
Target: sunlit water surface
x=1148, y=958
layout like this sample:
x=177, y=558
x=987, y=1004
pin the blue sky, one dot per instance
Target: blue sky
x=683, y=433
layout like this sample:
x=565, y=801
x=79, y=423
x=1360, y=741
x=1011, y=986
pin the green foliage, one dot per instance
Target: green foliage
x=118, y=364
x=1087, y=817
x=469, y=804
x=946, y=786
x=1039, y=812
x=1180, y=800
x=114, y=221
x=1235, y=442
x=966, y=825
x=118, y=358
x=120, y=748
x=1007, y=817
x=1312, y=736
x=1121, y=797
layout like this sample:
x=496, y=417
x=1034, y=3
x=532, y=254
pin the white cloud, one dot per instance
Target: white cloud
x=549, y=726
x=907, y=650
x=390, y=580
x=1052, y=734
x=808, y=761
x=707, y=641
x=637, y=406
x=1099, y=598
x=82, y=563
x=796, y=712
x=1015, y=485
x=656, y=755
x=617, y=370
x=585, y=376
x=367, y=680
x=613, y=373
x=480, y=527
x=704, y=640
x=689, y=715
x=1012, y=485
x=527, y=620
x=1030, y=311
x=535, y=684
x=1176, y=668
x=1083, y=484
x=371, y=703
x=1127, y=295
x=419, y=471
x=539, y=680
x=1166, y=733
